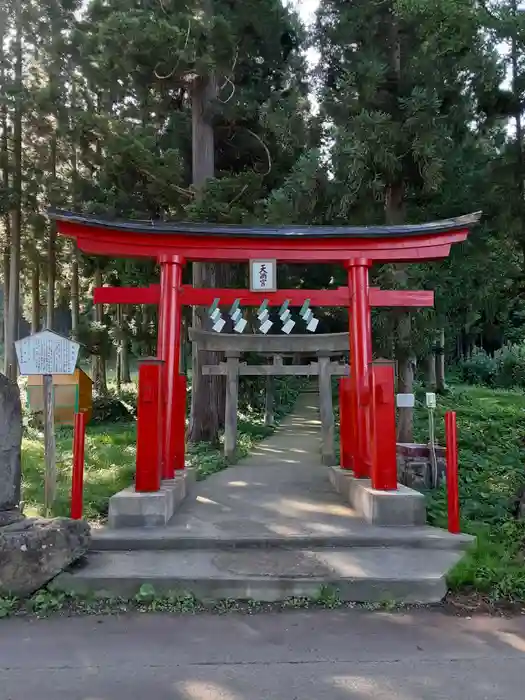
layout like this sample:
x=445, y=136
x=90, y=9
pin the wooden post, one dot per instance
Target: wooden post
x=326, y=410
x=50, y=481
x=269, y=409
x=269, y=417
x=440, y=362
x=345, y=436
x=232, y=401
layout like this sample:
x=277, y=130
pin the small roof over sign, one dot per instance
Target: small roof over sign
x=46, y=353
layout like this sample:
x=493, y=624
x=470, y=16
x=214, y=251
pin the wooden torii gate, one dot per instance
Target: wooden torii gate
x=328, y=348
x=173, y=244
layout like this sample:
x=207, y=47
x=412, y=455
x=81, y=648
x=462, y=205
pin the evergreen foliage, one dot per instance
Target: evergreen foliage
x=418, y=117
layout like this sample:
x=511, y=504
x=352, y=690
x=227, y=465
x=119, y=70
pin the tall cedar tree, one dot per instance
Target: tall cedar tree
x=396, y=90
x=200, y=111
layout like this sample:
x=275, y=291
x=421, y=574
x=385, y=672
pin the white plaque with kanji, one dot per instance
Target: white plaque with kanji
x=263, y=275
x=46, y=353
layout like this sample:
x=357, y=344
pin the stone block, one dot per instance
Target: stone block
x=34, y=551
x=10, y=451
x=128, y=508
x=414, y=466
x=402, y=507
x=328, y=458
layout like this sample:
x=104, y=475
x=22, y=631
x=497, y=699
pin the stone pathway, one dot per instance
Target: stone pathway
x=281, y=489
x=280, y=494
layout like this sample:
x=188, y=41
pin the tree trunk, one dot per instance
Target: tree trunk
x=51, y=245
x=516, y=78
x=395, y=214
x=430, y=371
x=11, y=368
x=6, y=266
x=51, y=277
x=124, y=347
x=441, y=385
x=75, y=293
x=35, y=297
x=207, y=404
x=98, y=362
x=145, y=323
x=5, y=182
x=75, y=277
x=118, y=370
x=122, y=369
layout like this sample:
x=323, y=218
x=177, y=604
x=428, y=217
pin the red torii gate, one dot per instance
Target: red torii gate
x=172, y=244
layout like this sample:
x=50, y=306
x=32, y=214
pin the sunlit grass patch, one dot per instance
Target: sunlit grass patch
x=109, y=467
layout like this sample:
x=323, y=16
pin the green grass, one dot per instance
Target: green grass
x=109, y=467
x=491, y=430
x=110, y=460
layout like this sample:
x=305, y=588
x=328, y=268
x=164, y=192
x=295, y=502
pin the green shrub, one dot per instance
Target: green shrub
x=510, y=362
x=505, y=370
x=479, y=369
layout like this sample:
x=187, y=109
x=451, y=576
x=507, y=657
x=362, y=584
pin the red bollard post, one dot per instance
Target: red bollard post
x=149, y=426
x=77, y=476
x=451, y=433
x=383, y=419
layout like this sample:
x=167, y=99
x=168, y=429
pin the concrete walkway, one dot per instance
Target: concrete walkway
x=341, y=655
x=281, y=489
x=280, y=494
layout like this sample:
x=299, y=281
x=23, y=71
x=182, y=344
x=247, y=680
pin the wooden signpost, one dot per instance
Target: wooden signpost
x=46, y=354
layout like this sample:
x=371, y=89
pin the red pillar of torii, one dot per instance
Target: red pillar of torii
x=173, y=244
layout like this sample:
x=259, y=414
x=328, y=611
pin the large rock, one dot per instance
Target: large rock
x=33, y=551
x=10, y=451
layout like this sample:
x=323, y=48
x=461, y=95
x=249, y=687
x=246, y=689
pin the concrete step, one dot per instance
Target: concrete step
x=364, y=574
x=357, y=534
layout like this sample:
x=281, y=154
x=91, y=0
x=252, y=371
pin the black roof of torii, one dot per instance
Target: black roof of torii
x=266, y=231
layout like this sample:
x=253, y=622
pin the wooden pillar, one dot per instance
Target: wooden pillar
x=326, y=410
x=440, y=362
x=345, y=424
x=168, y=349
x=269, y=407
x=232, y=403
x=269, y=417
x=360, y=359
